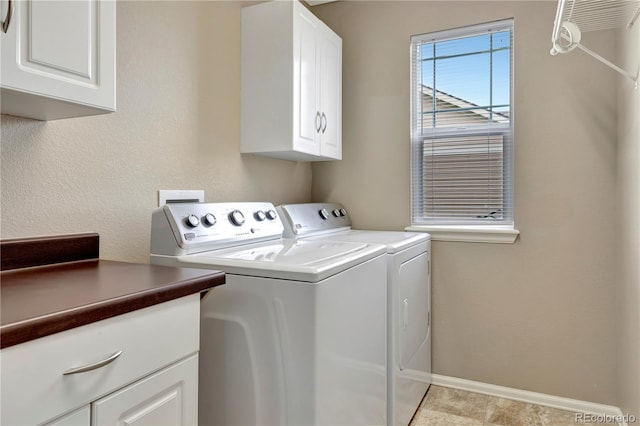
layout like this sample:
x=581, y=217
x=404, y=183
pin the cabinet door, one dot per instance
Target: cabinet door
x=62, y=50
x=331, y=95
x=306, y=113
x=168, y=397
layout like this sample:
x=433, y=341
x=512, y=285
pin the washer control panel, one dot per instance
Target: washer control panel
x=196, y=227
x=313, y=218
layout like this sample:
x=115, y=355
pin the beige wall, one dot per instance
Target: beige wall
x=539, y=314
x=176, y=127
x=536, y=315
x=628, y=215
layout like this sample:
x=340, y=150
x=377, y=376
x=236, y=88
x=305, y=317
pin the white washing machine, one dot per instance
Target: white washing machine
x=297, y=334
x=409, y=296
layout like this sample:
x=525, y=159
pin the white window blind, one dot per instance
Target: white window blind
x=462, y=127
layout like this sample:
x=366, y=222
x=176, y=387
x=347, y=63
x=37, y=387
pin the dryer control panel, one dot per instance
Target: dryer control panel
x=186, y=228
x=313, y=218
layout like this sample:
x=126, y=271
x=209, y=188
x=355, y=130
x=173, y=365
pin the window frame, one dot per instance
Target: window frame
x=492, y=231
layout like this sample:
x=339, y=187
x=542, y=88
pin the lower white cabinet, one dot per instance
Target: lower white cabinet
x=153, y=381
x=169, y=397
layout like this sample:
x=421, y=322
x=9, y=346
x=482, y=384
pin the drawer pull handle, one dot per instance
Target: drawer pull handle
x=7, y=19
x=93, y=366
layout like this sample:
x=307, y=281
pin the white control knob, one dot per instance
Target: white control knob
x=324, y=214
x=272, y=215
x=260, y=216
x=343, y=212
x=336, y=213
x=236, y=217
x=209, y=219
x=192, y=221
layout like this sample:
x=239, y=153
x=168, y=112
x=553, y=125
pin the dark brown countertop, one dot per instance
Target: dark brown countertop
x=43, y=300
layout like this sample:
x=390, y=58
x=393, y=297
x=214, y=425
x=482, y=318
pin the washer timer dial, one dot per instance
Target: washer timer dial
x=236, y=217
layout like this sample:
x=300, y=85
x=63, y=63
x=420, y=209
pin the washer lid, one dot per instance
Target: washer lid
x=300, y=260
x=395, y=241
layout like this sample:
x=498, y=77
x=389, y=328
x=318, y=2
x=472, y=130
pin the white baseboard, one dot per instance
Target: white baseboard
x=561, y=403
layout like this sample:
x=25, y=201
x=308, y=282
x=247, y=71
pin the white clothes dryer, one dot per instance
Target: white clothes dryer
x=296, y=335
x=409, y=296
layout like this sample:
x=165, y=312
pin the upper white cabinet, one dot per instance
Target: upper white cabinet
x=291, y=84
x=58, y=58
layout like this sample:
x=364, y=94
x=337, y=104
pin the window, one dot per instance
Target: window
x=461, y=127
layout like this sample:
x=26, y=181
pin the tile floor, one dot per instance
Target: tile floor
x=451, y=407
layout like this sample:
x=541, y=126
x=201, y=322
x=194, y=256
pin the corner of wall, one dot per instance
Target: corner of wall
x=628, y=226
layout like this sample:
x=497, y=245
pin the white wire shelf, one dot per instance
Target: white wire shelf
x=574, y=17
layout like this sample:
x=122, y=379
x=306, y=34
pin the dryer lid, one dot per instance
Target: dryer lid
x=395, y=241
x=300, y=260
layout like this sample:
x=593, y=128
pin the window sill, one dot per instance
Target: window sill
x=469, y=234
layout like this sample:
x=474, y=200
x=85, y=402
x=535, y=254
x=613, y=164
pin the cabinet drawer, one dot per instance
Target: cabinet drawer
x=34, y=389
